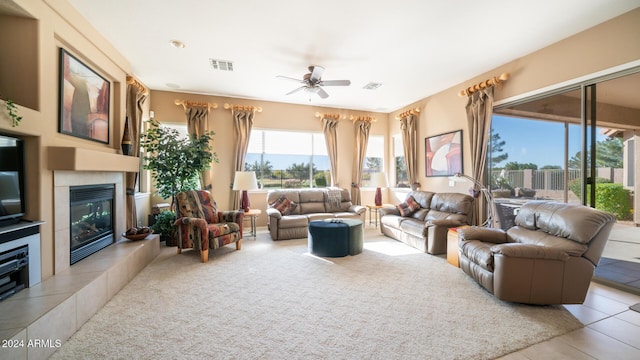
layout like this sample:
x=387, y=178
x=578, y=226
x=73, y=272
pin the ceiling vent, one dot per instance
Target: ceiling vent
x=223, y=65
x=372, y=86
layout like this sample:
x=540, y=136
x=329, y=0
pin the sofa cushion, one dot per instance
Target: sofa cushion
x=413, y=227
x=478, y=252
x=408, y=207
x=392, y=221
x=284, y=205
x=422, y=197
x=294, y=221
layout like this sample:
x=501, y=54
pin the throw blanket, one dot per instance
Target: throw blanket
x=334, y=197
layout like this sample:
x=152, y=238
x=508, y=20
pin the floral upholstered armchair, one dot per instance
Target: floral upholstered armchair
x=201, y=226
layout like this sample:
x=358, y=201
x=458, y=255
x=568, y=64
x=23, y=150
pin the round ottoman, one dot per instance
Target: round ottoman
x=335, y=237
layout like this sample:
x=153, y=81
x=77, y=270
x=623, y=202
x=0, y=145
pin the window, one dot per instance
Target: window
x=374, y=158
x=288, y=159
x=400, y=166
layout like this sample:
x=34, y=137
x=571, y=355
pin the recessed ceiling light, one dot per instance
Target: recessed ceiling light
x=177, y=44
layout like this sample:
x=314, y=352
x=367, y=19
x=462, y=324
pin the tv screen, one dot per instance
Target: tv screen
x=12, y=205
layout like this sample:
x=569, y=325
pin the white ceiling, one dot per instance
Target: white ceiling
x=415, y=48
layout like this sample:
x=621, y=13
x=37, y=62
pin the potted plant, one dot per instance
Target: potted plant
x=164, y=226
x=175, y=161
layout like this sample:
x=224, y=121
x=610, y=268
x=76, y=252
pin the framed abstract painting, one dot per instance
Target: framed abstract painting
x=84, y=100
x=443, y=154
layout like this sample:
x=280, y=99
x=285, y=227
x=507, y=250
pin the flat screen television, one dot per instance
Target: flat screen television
x=12, y=204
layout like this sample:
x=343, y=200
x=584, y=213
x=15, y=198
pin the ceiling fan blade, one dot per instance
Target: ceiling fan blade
x=323, y=94
x=335, y=83
x=296, y=90
x=290, y=78
x=316, y=73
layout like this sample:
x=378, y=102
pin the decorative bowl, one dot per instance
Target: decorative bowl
x=137, y=236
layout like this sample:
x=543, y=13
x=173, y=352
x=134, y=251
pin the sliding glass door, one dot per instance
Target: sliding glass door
x=576, y=145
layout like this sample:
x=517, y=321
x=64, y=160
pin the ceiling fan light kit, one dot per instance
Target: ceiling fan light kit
x=312, y=82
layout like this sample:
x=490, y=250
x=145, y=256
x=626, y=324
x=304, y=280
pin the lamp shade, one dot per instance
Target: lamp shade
x=378, y=179
x=245, y=180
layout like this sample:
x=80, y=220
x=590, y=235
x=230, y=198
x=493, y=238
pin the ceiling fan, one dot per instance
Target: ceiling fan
x=313, y=82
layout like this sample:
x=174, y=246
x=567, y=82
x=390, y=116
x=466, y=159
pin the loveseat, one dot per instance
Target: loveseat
x=548, y=257
x=289, y=211
x=426, y=218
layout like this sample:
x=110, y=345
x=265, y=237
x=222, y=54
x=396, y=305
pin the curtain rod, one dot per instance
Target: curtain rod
x=408, y=112
x=243, y=107
x=331, y=116
x=485, y=84
x=362, y=118
x=186, y=103
x=138, y=85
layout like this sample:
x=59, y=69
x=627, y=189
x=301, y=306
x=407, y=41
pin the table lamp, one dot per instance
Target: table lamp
x=245, y=180
x=378, y=180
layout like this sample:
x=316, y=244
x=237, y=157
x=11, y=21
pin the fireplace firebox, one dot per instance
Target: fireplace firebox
x=91, y=215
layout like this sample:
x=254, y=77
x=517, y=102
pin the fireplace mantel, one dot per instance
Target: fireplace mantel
x=78, y=159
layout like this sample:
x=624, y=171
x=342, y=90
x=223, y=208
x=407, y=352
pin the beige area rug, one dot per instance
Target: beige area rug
x=273, y=300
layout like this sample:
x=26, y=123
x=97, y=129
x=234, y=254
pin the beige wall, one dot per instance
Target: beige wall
x=38, y=100
x=605, y=46
x=273, y=116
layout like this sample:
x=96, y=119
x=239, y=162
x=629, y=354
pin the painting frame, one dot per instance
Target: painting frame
x=443, y=154
x=85, y=100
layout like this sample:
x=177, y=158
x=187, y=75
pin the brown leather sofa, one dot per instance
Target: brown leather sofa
x=308, y=205
x=548, y=257
x=426, y=228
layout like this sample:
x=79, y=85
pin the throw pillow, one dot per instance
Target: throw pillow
x=408, y=207
x=284, y=205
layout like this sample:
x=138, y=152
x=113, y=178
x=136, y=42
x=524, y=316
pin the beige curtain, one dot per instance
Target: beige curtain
x=197, y=124
x=408, y=125
x=479, y=110
x=134, y=101
x=362, y=128
x=242, y=124
x=329, y=127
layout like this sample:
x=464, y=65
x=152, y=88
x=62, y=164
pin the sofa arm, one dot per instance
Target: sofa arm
x=490, y=235
x=388, y=211
x=358, y=209
x=274, y=213
x=530, y=251
x=448, y=223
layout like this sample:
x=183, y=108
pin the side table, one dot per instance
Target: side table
x=253, y=215
x=452, y=246
x=375, y=209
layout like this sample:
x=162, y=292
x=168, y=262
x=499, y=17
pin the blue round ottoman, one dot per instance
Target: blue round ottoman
x=335, y=237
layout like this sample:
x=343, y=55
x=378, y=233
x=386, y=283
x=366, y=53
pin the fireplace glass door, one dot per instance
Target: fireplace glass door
x=91, y=217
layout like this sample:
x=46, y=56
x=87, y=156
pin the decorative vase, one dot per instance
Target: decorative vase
x=125, y=143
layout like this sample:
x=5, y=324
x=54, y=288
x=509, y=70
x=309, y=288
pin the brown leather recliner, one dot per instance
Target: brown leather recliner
x=548, y=258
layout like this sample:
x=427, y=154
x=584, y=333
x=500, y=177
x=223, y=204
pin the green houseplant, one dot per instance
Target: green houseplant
x=164, y=226
x=175, y=161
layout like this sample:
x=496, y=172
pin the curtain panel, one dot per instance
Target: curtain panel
x=408, y=125
x=362, y=128
x=135, y=98
x=329, y=128
x=479, y=110
x=242, y=124
x=197, y=124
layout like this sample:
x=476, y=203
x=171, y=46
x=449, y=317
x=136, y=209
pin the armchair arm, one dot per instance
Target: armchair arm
x=389, y=211
x=234, y=216
x=274, y=213
x=530, y=251
x=195, y=226
x=490, y=235
x=358, y=209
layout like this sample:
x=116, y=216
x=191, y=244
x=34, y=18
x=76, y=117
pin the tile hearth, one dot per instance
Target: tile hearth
x=46, y=315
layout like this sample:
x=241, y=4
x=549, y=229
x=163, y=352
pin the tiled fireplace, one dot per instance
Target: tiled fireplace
x=64, y=182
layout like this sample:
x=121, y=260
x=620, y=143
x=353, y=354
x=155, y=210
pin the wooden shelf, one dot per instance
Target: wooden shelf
x=78, y=159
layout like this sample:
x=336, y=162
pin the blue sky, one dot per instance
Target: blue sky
x=535, y=141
